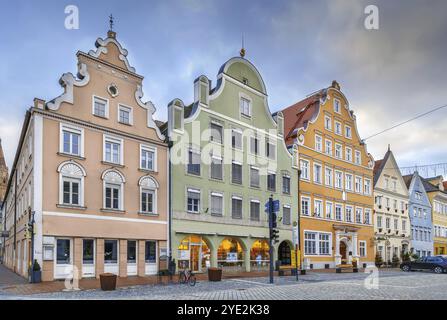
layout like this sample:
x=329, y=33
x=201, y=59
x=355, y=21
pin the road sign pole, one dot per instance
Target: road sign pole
x=270, y=236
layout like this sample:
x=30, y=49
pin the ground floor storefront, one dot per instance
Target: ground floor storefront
x=326, y=244
x=390, y=246
x=233, y=252
x=440, y=246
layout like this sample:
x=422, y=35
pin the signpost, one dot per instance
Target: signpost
x=271, y=208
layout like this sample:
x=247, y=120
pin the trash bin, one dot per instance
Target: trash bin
x=108, y=281
x=214, y=274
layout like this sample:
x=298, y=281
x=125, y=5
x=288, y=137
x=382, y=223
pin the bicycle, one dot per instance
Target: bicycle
x=186, y=276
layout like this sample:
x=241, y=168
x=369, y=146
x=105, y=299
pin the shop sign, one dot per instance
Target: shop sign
x=232, y=257
x=183, y=254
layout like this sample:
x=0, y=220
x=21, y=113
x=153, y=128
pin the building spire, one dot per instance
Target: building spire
x=111, y=33
x=242, y=52
x=111, y=22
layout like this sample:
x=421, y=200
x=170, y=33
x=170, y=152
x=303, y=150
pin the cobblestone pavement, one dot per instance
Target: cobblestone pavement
x=8, y=278
x=346, y=286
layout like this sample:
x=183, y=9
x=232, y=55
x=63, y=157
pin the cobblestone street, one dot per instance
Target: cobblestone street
x=313, y=286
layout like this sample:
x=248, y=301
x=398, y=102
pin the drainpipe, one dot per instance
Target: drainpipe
x=170, y=144
x=15, y=221
x=298, y=245
x=4, y=206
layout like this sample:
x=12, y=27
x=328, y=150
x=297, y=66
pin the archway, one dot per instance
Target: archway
x=230, y=255
x=194, y=253
x=285, y=254
x=260, y=256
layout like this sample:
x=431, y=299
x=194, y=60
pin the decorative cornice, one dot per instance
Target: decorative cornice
x=149, y=106
x=101, y=46
x=67, y=81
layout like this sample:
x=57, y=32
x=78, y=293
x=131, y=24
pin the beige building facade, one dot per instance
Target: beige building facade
x=91, y=171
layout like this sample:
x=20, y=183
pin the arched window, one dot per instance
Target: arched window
x=113, y=186
x=71, y=184
x=148, y=195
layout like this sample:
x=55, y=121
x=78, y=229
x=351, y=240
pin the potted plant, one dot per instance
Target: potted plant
x=214, y=274
x=108, y=281
x=36, y=272
x=406, y=257
x=378, y=260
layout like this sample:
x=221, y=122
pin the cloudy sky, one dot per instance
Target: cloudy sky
x=389, y=75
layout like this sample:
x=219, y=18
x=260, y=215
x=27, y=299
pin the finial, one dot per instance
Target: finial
x=111, y=22
x=242, y=52
x=389, y=147
x=335, y=85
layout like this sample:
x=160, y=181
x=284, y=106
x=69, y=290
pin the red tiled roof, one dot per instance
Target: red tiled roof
x=297, y=114
x=445, y=185
x=377, y=165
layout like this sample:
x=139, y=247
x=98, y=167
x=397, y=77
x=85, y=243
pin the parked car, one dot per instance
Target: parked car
x=438, y=264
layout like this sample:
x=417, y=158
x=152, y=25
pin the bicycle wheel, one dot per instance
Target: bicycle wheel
x=192, y=280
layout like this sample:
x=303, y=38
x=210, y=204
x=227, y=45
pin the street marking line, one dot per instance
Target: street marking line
x=248, y=281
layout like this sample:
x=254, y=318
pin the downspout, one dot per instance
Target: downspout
x=170, y=201
x=4, y=208
x=15, y=220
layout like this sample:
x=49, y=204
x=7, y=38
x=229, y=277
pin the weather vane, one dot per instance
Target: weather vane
x=111, y=22
x=242, y=52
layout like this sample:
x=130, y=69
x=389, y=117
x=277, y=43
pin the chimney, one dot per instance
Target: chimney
x=39, y=103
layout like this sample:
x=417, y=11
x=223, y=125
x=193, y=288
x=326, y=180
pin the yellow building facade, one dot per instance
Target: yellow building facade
x=438, y=198
x=336, y=186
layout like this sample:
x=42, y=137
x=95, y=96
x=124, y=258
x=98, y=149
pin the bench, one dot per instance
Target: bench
x=346, y=267
x=285, y=269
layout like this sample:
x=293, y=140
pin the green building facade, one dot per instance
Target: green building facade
x=227, y=157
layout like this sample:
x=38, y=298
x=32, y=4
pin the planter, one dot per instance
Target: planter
x=108, y=281
x=214, y=274
x=36, y=276
x=303, y=271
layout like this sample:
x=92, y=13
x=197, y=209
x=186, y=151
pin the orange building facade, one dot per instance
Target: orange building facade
x=336, y=185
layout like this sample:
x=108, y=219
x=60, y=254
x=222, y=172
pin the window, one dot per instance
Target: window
x=329, y=208
x=236, y=208
x=348, y=154
x=338, y=151
x=339, y=212
x=358, y=215
x=317, y=173
x=216, y=204
x=113, y=152
x=254, y=145
x=147, y=158
x=348, y=178
x=71, y=189
x=147, y=201
x=387, y=183
x=88, y=251
x=305, y=174
x=404, y=225
x=100, y=107
x=63, y=252
x=337, y=106
x=216, y=132
x=310, y=243
x=148, y=190
x=110, y=251
x=367, y=216
x=358, y=157
x=328, y=123
x=112, y=193
x=286, y=184
x=131, y=251
x=193, y=202
x=348, y=132
x=338, y=128
x=236, y=139
x=216, y=168
x=254, y=177
x=305, y=206
x=286, y=218
x=125, y=115
x=71, y=140
x=328, y=148
x=387, y=223
x=328, y=176
x=348, y=214
x=236, y=173
x=379, y=222
x=194, y=160
x=71, y=184
x=396, y=224
x=270, y=149
x=367, y=187
x=362, y=248
x=358, y=184
x=255, y=209
x=338, y=179
x=318, y=143
x=318, y=208
x=150, y=252
x=245, y=107
x=271, y=182
x=324, y=244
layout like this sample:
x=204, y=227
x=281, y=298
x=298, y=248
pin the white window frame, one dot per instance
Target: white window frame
x=317, y=243
x=219, y=195
x=130, y=109
x=365, y=254
x=367, y=186
x=369, y=211
x=327, y=150
x=238, y=131
x=348, y=154
x=337, y=110
x=340, y=149
x=351, y=215
x=358, y=190
x=241, y=111
x=357, y=157
x=326, y=126
x=340, y=126
x=320, y=144
x=358, y=210
x=63, y=176
x=222, y=133
x=215, y=157
x=152, y=188
x=307, y=175
x=315, y=173
x=239, y=198
x=315, y=208
x=339, y=205
x=193, y=190
x=348, y=136
x=329, y=183
x=309, y=206
x=336, y=185
x=113, y=139
x=329, y=204
x=144, y=147
x=94, y=97
x=73, y=129
x=121, y=195
x=351, y=180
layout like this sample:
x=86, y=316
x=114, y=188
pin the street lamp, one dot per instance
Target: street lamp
x=31, y=232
